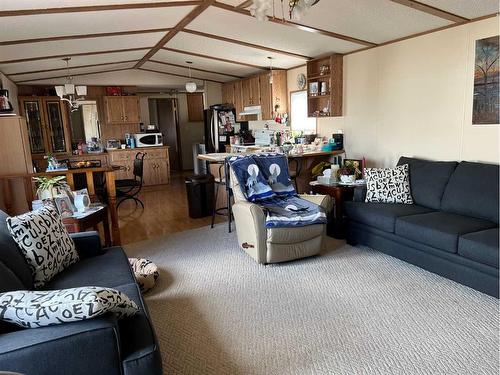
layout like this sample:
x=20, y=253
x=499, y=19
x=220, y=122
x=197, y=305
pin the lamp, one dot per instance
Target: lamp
x=297, y=8
x=67, y=91
x=190, y=85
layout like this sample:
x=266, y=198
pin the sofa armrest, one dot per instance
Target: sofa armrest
x=359, y=194
x=250, y=221
x=70, y=348
x=88, y=244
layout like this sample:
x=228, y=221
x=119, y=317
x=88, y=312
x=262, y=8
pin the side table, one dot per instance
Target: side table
x=81, y=222
x=340, y=193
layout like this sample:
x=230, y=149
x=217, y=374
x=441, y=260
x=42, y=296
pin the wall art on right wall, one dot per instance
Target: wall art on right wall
x=486, y=103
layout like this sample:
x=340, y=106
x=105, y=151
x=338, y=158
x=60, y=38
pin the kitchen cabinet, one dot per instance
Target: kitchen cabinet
x=195, y=106
x=238, y=99
x=228, y=93
x=250, y=91
x=122, y=109
x=47, y=121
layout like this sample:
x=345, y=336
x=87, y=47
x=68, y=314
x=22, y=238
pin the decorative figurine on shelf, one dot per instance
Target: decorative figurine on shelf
x=54, y=165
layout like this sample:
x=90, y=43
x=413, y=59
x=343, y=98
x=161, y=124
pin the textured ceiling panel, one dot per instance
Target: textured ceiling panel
x=38, y=4
x=132, y=77
x=63, y=47
x=466, y=8
x=372, y=20
x=204, y=63
x=184, y=71
x=237, y=26
x=43, y=75
x=48, y=25
x=207, y=46
x=30, y=66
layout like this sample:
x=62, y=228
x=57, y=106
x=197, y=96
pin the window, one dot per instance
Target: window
x=298, y=107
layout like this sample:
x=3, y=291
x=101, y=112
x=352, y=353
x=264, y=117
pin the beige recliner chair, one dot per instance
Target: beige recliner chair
x=276, y=244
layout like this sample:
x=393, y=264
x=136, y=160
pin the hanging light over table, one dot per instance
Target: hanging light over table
x=190, y=85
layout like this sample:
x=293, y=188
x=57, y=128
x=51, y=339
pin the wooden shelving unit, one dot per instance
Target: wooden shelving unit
x=327, y=72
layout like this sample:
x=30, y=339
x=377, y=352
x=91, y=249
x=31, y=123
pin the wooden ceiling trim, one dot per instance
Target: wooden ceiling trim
x=96, y=8
x=197, y=69
x=245, y=4
x=217, y=58
x=82, y=36
x=426, y=32
x=175, y=30
x=431, y=10
x=296, y=25
x=72, y=67
x=246, y=44
x=178, y=75
x=73, y=54
x=73, y=75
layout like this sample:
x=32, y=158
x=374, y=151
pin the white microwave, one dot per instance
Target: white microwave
x=148, y=139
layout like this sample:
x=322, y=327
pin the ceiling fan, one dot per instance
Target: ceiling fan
x=296, y=8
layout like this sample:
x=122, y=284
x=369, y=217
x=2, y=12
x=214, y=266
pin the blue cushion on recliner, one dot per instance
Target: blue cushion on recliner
x=381, y=215
x=439, y=229
x=473, y=191
x=428, y=180
x=11, y=256
x=480, y=246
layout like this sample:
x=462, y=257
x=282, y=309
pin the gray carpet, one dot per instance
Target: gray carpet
x=348, y=311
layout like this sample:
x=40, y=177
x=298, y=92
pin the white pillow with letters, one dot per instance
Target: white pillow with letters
x=44, y=243
x=388, y=185
x=32, y=309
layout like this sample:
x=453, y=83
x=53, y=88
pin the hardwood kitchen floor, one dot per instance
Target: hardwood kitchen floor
x=165, y=211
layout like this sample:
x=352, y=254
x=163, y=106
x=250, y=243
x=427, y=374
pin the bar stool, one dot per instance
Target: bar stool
x=222, y=181
x=295, y=173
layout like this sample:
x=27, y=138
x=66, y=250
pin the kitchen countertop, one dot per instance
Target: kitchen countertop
x=219, y=157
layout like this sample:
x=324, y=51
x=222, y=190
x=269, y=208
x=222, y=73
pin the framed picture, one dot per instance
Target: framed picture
x=486, y=100
x=357, y=165
x=313, y=88
x=64, y=206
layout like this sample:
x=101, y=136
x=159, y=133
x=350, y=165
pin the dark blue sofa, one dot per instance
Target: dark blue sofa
x=451, y=229
x=97, y=346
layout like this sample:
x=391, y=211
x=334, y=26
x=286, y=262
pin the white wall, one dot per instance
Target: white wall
x=414, y=98
x=7, y=84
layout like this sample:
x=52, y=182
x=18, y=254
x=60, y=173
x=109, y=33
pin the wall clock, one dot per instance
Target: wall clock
x=301, y=81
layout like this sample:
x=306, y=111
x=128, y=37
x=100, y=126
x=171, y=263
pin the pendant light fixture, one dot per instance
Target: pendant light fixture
x=67, y=91
x=190, y=85
x=296, y=9
x=270, y=70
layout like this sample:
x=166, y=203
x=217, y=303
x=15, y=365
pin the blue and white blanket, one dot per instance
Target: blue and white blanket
x=264, y=180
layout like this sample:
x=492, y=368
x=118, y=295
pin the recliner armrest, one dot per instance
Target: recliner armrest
x=88, y=244
x=324, y=201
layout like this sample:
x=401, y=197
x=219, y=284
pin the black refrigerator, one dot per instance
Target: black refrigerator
x=220, y=120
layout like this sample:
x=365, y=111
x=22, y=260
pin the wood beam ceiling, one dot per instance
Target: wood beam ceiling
x=73, y=75
x=72, y=67
x=196, y=69
x=178, y=75
x=73, y=55
x=245, y=4
x=82, y=36
x=216, y=58
x=246, y=44
x=431, y=10
x=175, y=30
x=96, y=8
x=296, y=25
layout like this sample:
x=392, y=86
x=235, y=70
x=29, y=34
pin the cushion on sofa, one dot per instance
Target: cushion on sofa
x=381, y=215
x=439, y=229
x=139, y=350
x=108, y=270
x=473, y=191
x=428, y=180
x=75, y=348
x=480, y=246
x=11, y=256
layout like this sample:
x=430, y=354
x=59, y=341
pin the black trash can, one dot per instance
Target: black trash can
x=200, y=195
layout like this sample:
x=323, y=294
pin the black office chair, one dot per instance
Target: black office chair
x=131, y=187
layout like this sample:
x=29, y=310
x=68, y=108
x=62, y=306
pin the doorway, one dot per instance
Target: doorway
x=163, y=113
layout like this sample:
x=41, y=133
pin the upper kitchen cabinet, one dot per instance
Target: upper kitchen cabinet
x=228, y=93
x=48, y=126
x=122, y=109
x=273, y=94
x=250, y=91
x=195, y=106
x=238, y=99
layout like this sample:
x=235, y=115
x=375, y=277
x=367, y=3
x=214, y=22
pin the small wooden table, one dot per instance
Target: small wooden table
x=76, y=224
x=340, y=194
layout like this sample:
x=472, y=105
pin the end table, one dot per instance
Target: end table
x=81, y=222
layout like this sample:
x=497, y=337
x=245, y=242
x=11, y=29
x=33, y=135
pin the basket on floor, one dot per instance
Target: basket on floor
x=146, y=273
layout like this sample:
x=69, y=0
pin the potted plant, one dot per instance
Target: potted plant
x=347, y=174
x=49, y=187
